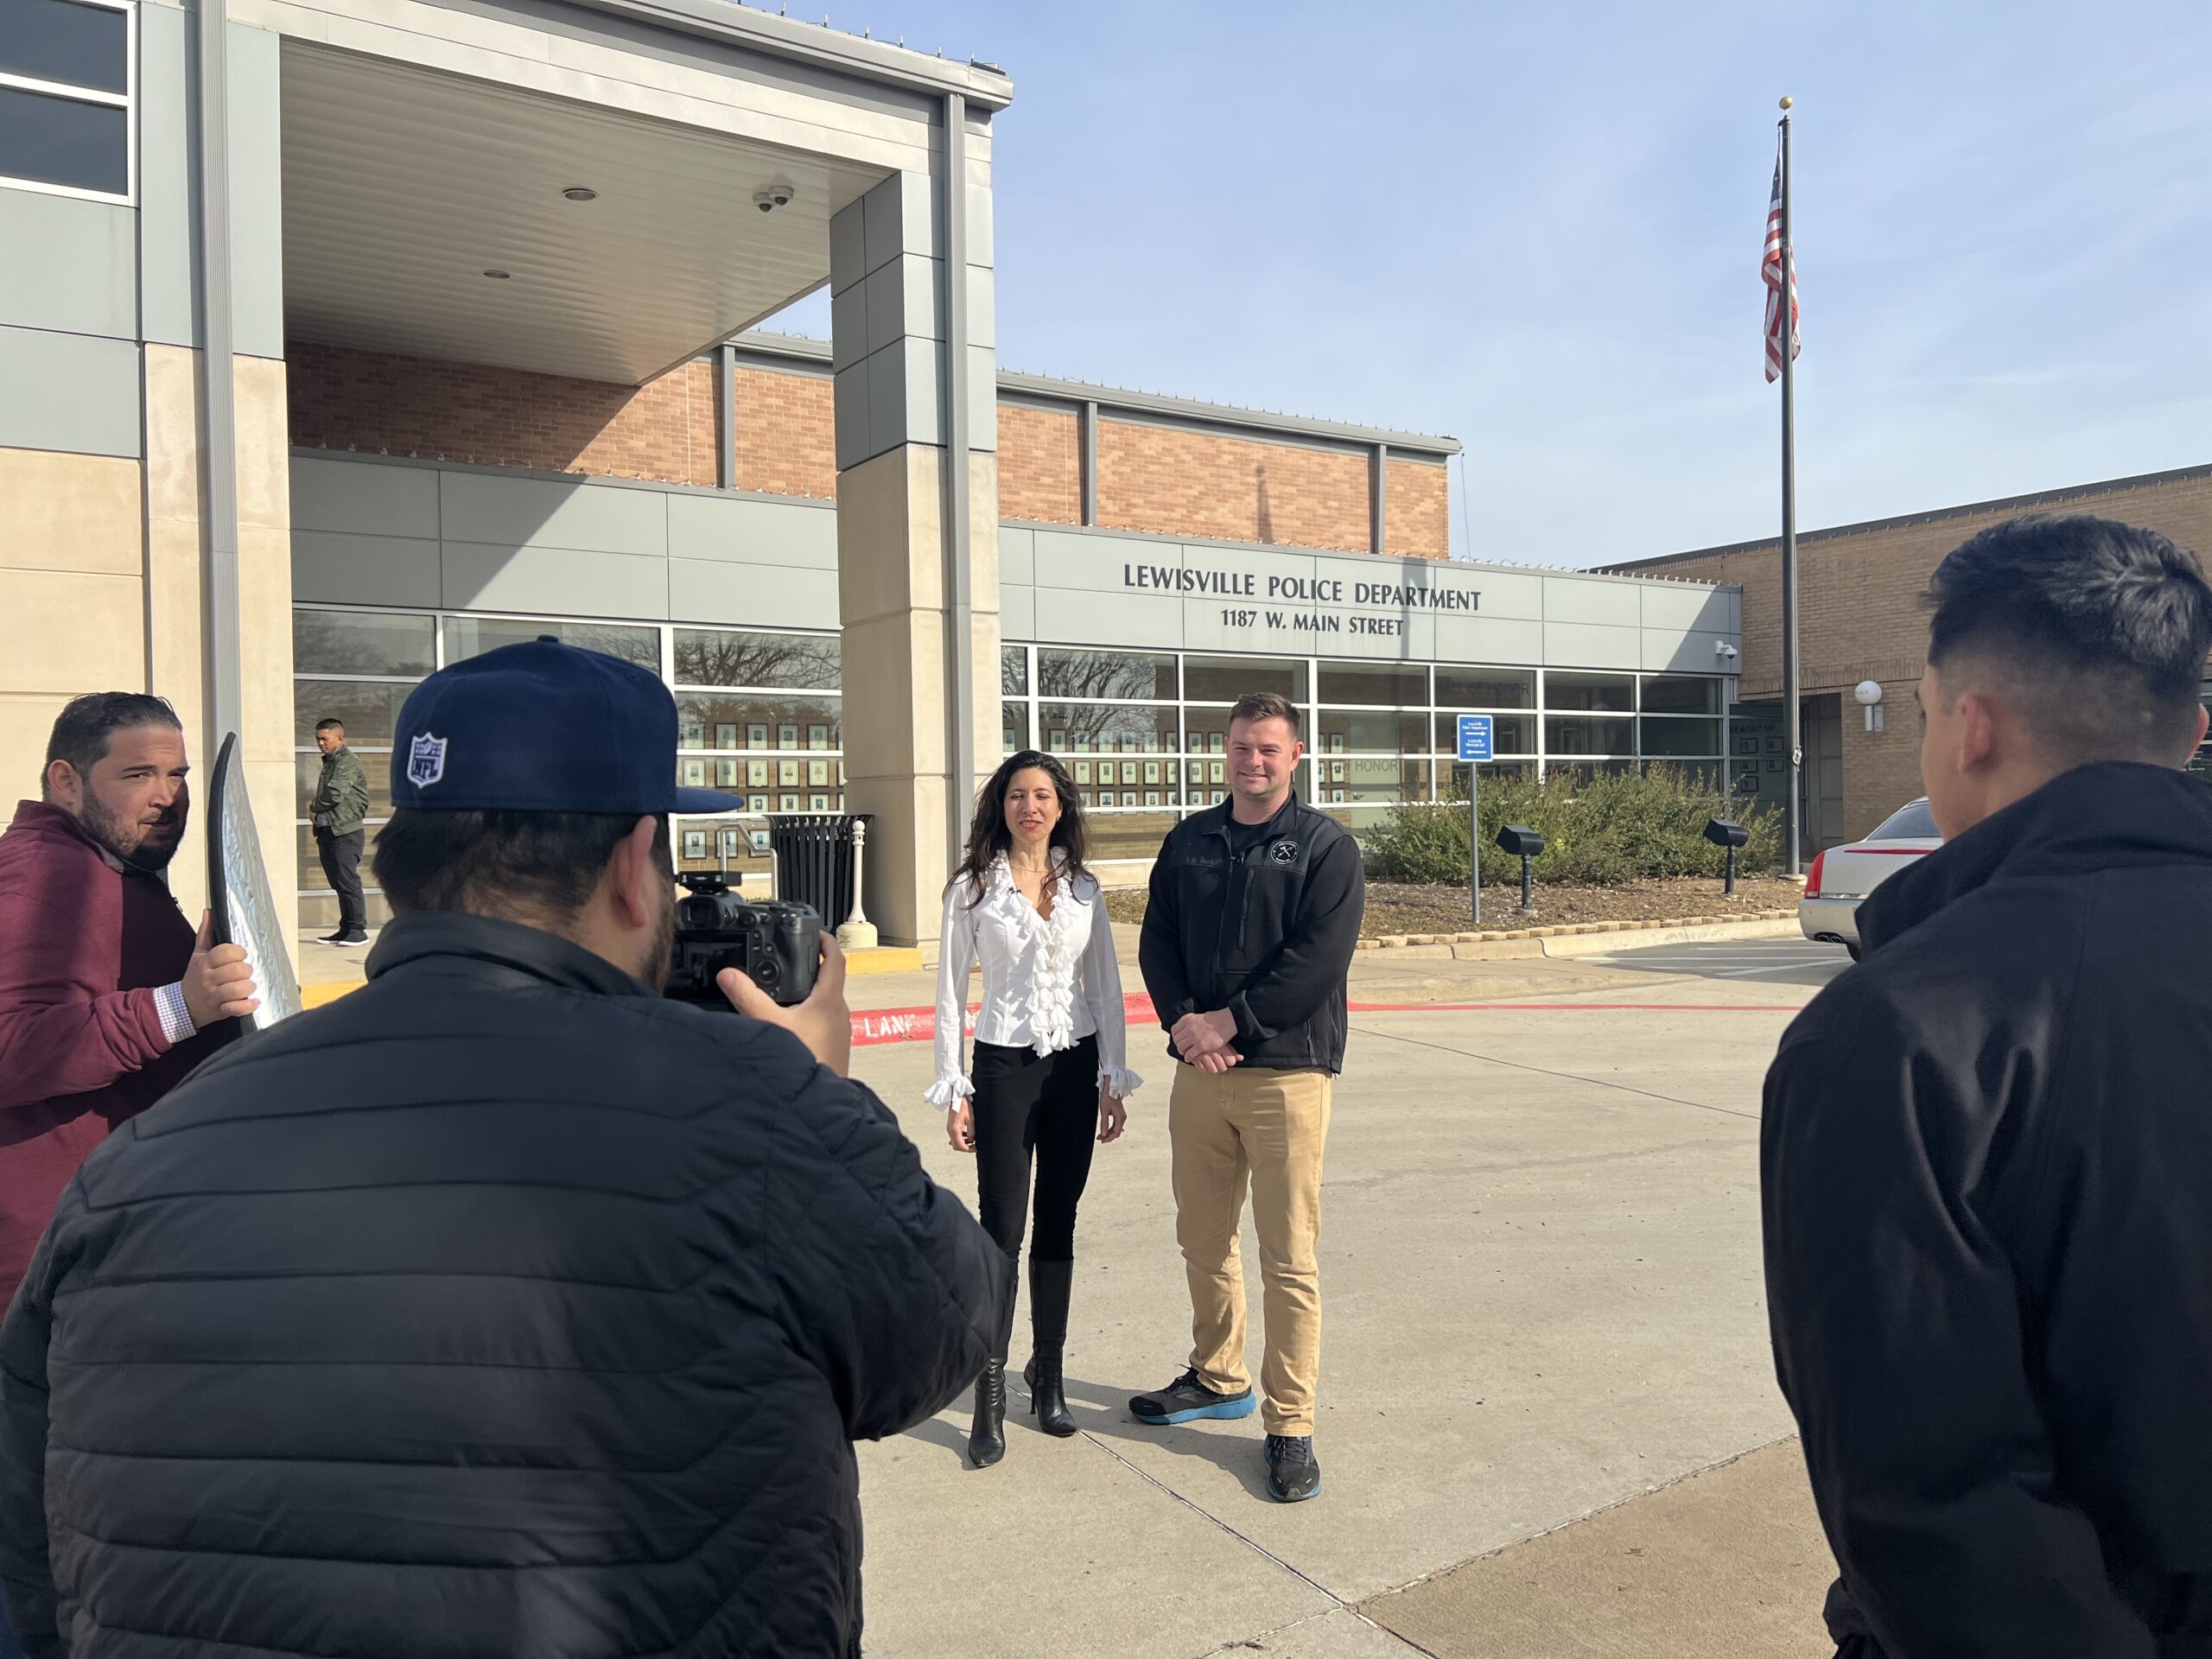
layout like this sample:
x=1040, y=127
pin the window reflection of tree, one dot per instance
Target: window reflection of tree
x=1105, y=674
x=806, y=662
x=1107, y=727
x=344, y=642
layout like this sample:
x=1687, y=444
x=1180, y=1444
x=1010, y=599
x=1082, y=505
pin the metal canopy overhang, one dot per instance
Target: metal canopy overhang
x=986, y=86
x=403, y=186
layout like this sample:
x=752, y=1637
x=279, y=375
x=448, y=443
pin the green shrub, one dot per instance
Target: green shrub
x=1602, y=830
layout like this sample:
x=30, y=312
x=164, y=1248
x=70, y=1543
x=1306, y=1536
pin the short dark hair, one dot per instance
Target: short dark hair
x=541, y=865
x=330, y=723
x=80, y=734
x=2096, y=630
x=1266, y=705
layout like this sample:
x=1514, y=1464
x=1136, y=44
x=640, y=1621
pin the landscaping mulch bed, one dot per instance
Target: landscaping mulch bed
x=1396, y=908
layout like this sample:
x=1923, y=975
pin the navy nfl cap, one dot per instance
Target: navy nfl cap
x=543, y=728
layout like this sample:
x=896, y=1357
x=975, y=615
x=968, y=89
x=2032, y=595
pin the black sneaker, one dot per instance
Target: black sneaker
x=328, y=938
x=1187, y=1399
x=351, y=941
x=1293, y=1472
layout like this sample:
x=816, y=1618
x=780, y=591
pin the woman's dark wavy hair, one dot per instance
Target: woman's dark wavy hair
x=988, y=835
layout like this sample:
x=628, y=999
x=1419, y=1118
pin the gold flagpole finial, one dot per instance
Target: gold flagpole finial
x=1788, y=102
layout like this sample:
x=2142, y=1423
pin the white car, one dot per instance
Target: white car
x=1841, y=876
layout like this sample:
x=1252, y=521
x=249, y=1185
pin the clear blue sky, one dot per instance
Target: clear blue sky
x=1537, y=229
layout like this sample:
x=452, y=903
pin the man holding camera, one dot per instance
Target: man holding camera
x=503, y=1305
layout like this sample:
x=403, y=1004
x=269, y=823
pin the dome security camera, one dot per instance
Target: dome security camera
x=769, y=197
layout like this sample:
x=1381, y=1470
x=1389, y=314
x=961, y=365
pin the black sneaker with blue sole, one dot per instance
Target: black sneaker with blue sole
x=1293, y=1472
x=1186, y=1400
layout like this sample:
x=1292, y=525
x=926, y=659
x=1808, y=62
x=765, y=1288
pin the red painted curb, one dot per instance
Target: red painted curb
x=874, y=1025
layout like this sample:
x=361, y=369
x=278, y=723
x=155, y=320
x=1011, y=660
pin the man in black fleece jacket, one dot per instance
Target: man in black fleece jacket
x=1254, y=911
x=1988, y=1149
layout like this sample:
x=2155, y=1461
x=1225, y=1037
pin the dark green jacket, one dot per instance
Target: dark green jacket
x=342, y=794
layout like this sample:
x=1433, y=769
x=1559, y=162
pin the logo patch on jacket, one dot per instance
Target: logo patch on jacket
x=1284, y=852
x=426, y=760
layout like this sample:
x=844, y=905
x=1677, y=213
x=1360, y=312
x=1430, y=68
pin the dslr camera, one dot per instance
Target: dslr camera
x=777, y=945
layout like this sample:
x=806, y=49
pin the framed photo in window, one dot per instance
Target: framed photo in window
x=790, y=803
x=787, y=738
x=1336, y=772
x=725, y=774
x=1152, y=797
x=756, y=736
x=725, y=735
x=817, y=773
x=1152, y=776
x=692, y=734
x=756, y=802
x=1214, y=741
x=756, y=773
x=787, y=775
x=817, y=803
x=1083, y=771
x=695, y=843
x=694, y=775
x=1060, y=739
x=818, y=737
x=1082, y=742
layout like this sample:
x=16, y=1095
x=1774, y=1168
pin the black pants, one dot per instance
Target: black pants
x=341, y=867
x=1030, y=1105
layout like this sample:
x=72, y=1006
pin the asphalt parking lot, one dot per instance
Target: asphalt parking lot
x=1775, y=962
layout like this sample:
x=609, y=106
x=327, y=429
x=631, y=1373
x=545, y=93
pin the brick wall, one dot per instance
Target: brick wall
x=1860, y=615
x=1172, y=481
x=786, y=434
x=1168, y=480
x=386, y=404
x=1418, y=504
x=1040, y=465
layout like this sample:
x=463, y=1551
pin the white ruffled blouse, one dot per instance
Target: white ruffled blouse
x=1047, y=983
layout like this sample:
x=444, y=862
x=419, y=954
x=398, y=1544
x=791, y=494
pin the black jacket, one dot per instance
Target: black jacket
x=500, y=1308
x=1268, y=937
x=1987, y=1174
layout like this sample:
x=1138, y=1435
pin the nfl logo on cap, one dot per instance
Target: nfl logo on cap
x=426, y=760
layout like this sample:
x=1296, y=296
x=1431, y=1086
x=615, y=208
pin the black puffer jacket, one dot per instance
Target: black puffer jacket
x=1987, y=1158
x=500, y=1307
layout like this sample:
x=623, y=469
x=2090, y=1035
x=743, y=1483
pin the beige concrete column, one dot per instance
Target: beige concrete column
x=894, y=350
x=176, y=614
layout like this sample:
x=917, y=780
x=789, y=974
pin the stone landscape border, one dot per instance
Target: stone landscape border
x=1536, y=941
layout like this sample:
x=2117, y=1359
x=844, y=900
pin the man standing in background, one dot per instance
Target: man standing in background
x=1254, y=913
x=341, y=805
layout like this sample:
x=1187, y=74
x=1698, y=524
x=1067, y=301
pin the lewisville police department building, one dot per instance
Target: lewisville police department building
x=479, y=283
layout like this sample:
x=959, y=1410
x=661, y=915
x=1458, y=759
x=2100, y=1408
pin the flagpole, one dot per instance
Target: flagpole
x=1792, y=723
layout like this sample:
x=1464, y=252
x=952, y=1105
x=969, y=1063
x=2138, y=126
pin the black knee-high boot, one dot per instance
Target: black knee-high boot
x=986, y=1436
x=1051, y=1284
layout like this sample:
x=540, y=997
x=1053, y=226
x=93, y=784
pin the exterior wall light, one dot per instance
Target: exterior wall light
x=1869, y=693
x=581, y=193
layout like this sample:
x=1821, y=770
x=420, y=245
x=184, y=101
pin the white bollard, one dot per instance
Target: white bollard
x=858, y=933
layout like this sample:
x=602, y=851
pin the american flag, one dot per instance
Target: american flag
x=1770, y=270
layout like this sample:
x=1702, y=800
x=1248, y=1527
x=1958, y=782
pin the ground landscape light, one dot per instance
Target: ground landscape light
x=581, y=193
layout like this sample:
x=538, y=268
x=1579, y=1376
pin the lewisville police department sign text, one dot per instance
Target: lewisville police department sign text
x=1301, y=590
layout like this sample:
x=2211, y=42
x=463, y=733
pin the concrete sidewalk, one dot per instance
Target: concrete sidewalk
x=1543, y=1295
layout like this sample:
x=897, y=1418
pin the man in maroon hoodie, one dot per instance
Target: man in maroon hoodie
x=106, y=998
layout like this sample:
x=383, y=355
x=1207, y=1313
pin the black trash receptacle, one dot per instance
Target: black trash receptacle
x=814, y=860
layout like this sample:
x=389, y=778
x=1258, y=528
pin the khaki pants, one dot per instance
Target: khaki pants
x=1268, y=1129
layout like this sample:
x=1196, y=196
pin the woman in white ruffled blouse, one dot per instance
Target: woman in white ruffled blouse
x=1050, y=1071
